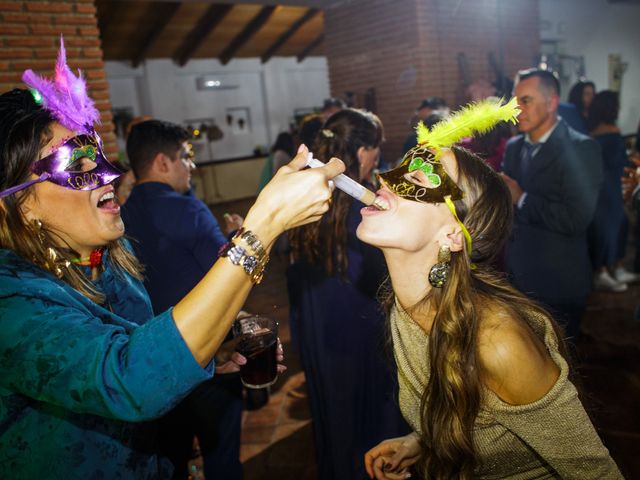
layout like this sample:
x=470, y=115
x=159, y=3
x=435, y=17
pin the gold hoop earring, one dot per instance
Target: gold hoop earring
x=439, y=273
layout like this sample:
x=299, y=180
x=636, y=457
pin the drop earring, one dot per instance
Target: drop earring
x=439, y=273
x=53, y=262
x=37, y=227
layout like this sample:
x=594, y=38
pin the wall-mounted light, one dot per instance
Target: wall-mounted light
x=213, y=83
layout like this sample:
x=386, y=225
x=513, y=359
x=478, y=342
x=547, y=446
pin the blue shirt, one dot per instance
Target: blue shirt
x=79, y=382
x=175, y=236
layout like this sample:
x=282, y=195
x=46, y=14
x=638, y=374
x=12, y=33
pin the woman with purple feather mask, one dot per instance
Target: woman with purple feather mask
x=78, y=162
x=85, y=366
x=72, y=158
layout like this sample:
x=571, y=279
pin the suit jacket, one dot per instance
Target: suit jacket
x=547, y=253
x=176, y=237
x=571, y=115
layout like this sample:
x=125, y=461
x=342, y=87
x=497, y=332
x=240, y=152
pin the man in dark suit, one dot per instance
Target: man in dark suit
x=554, y=175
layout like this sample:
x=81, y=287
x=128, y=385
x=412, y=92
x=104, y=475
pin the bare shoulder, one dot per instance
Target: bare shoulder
x=515, y=363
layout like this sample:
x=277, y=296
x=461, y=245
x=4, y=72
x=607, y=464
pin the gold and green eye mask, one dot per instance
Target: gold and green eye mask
x=438, y=186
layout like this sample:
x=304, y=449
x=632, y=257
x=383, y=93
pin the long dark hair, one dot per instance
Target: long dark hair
x=575, y=94
x=24, y=131
x=284, y=141
x=452, y=398
x=325, y=243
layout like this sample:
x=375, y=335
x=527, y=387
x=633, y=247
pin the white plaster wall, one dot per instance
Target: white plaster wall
x=594, y=29
x=271, y=91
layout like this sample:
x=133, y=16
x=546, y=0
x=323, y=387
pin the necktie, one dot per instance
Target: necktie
x=528, y=150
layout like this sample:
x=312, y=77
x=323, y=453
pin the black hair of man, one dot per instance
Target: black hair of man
x=149, y=138
x=433, y=103
x=332, y=102
x=604, y=109
x=549, y=82
x=433, y=118
x=309, y=130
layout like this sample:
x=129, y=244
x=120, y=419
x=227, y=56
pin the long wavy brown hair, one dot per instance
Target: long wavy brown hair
x=24, y=131
x=452, y=398
x=324, y=243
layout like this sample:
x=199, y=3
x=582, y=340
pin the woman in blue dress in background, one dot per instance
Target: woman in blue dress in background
x=609, y=228
x=333, y=282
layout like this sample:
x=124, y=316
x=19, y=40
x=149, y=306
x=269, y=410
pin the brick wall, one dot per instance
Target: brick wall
x=407, y=50
x=29, y=38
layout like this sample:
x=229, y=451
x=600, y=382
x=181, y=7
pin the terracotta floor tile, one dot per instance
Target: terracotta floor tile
x=266, y=416
x=286, y=430
x=257, y=434
x=250, y=450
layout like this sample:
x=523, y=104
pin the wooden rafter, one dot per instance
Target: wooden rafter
x=207, y=23
x=108, y=12
x=311, y=47
x=309, y=14
x=252, y=27
x=161, y=14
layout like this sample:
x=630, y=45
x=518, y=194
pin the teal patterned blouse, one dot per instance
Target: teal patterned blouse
x=80, y=383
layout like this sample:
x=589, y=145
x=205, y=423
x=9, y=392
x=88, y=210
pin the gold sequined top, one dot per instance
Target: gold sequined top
x=549, y=438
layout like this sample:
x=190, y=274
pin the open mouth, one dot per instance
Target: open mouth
x=381, y=204
x=108, y=201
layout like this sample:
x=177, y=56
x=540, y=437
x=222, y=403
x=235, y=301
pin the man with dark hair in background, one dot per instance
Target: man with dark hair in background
x=554, y=175
x=330, y=106
x=425, y=108
x=177, y=239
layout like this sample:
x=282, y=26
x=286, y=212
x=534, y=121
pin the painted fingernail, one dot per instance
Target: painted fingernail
x=302, y=148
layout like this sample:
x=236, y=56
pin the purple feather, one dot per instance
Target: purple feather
x=65, y=96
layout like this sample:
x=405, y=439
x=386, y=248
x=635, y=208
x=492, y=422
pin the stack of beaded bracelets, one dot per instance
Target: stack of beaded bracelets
x=253, y=259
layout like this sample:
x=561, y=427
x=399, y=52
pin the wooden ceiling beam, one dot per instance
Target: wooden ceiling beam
x=310, y=48
x=297, y=25
x=243, y=37
x=207, y=23
x=106, y=13
x=162, y=14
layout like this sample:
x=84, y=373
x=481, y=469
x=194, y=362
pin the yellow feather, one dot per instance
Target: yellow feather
x=475, y=118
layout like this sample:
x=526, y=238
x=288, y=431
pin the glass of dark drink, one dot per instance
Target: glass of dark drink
x=257, y=342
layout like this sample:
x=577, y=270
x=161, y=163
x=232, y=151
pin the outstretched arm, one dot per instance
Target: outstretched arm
x=294, y=197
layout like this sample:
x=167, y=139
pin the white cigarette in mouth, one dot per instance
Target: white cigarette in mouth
x=351, y=187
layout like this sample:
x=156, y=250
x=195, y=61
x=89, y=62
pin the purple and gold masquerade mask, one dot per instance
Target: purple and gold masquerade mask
x=67, y=165
x=65, y=97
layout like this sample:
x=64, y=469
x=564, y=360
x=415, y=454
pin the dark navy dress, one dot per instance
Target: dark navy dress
x=608, y=230
x=349, y=371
